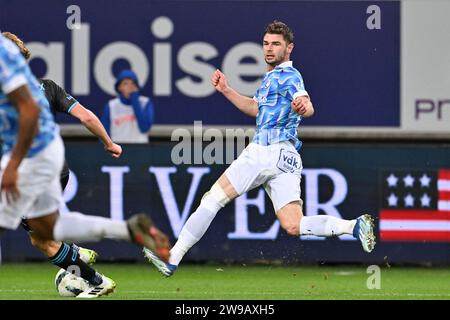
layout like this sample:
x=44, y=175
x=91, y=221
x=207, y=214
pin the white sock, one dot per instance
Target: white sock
x=325, y=226
x=77, y=227
x=195, y=228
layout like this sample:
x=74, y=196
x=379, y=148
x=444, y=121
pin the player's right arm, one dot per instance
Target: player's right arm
x=93, y=124
x=61, y=101
x=247, y=105
x=13, y=83
x=28, y=123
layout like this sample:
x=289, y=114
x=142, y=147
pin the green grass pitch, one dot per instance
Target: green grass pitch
x=236, y=282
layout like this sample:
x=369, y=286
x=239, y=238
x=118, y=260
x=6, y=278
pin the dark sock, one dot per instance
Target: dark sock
x=68, y=258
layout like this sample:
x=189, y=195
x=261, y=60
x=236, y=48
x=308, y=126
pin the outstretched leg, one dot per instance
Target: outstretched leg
x=75, y=226
x=68, y=257
x=195, y=227
x=292, y=220
x=220, y=194
x=50, y=247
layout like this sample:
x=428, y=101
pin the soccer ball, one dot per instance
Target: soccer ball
x=69, y=285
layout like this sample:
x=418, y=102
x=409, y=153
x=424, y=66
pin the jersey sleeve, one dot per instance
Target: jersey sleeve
x=59, y=99
x=296, y=87
x=255, y=97
x=12, y=66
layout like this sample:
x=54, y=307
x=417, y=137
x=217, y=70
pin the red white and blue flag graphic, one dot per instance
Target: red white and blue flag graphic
x=415, y=206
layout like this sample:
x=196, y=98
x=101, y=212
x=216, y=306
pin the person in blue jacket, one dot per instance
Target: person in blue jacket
x=128, y=118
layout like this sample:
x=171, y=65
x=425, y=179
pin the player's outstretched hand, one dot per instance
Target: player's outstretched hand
x=114, y=149
x=8, y=188
x=219, y=81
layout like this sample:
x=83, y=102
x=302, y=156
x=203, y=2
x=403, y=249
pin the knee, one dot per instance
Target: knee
x=215, y=198
x=292, y=229
x=290, y=217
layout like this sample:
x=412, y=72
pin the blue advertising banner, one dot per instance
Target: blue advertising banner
x=406, y=188
x=347, y=51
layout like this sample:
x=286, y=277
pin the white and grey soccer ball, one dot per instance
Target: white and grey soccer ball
x=68, y=284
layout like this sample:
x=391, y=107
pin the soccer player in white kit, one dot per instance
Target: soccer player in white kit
x=271, y=159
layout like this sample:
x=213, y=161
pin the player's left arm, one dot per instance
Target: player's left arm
x=301, y=102
x=303, y=106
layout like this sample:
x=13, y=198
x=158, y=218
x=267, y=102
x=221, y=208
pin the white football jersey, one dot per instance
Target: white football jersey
x=124, y=126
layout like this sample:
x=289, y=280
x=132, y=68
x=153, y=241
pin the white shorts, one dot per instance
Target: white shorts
x=277, y=167
x=38, y=184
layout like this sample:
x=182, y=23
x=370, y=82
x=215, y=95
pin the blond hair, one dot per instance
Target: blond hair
x=19, y=43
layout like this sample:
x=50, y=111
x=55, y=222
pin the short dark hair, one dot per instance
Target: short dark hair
x=278, y=27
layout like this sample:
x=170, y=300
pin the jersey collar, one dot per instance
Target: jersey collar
x=284, y=65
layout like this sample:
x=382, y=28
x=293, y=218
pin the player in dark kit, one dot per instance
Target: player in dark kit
x=61, y=101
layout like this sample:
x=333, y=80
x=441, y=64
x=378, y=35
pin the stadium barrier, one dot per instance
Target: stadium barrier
x=402, y=185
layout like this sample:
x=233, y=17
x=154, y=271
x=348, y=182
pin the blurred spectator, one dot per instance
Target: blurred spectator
x=129, y=117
